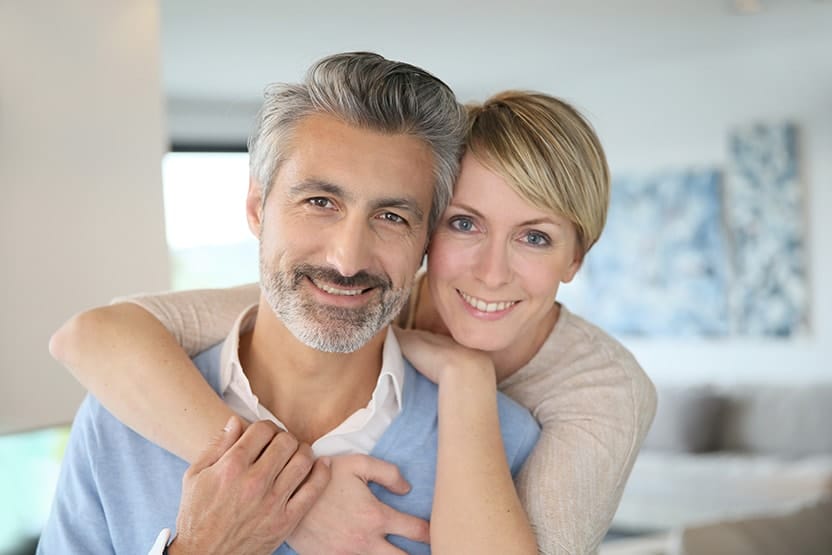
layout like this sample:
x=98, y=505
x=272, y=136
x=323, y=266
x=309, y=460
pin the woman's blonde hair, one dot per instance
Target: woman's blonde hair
x=548, y=153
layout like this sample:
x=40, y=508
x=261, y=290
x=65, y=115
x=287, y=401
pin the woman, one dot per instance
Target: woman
x=530, y=202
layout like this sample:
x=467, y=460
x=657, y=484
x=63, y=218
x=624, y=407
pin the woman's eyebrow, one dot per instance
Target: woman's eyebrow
x=467, y=208
x=544, y=220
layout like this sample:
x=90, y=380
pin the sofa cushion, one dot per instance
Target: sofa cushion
x=805, y=531
x=791, y=421
x=667, y=490
x=686, y=420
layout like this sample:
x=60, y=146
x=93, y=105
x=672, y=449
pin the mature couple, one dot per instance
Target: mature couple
x=365, y=438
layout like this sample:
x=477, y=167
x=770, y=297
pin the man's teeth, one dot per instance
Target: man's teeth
x=336, y=291
x=483, y=306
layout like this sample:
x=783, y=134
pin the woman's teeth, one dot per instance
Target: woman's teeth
x=483, y=306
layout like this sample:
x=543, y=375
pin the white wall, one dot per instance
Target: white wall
x=81, y=140
x=678, y=114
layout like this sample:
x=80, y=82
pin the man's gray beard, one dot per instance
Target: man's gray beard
x=330, y=329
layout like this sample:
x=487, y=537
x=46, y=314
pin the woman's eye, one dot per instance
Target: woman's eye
x=537, y=239
x=462, y=224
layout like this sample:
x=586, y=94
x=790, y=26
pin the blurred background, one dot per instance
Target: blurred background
x=123, y=169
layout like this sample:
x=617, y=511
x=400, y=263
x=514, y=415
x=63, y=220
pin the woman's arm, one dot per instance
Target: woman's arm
x=199, y=318
x=476, y=508
x=595, y=405
x=122, y=352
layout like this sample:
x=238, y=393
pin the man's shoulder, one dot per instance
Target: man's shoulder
x=417, y=389
x=422, y=394
x=518, y=427
x=513, y=413
x=95, y=425
x=209, y=362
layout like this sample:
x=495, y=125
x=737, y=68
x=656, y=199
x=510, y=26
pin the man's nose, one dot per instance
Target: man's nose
x=350, y=245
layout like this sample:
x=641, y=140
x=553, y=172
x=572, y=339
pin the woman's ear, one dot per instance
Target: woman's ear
x=574, y=266
x=254, y=206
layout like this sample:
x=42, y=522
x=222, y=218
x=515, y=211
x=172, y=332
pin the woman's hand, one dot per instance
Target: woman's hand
x=348, y=519
x=436, y=356
x=475, y=506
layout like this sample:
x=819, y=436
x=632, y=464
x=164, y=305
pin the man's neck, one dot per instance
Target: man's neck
x=311, y=392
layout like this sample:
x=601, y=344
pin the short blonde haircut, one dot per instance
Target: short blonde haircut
x=548, y=153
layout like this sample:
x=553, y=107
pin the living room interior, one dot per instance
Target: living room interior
x=717, y=124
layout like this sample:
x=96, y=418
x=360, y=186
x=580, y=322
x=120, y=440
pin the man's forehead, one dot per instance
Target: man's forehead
x=331, y=154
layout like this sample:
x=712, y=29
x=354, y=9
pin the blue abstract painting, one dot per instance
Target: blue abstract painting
x=766, y=223
x=702, y=252
x=660, y=266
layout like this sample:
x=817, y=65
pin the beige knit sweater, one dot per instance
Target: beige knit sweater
x=592, y=399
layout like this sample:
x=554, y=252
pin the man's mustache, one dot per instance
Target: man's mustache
x=362, y=280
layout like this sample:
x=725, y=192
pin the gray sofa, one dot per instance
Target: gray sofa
x=716, y=454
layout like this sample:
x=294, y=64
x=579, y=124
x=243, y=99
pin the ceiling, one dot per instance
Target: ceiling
x=219, y=51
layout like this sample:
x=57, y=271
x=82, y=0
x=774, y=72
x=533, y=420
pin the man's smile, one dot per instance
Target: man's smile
x=334, y=290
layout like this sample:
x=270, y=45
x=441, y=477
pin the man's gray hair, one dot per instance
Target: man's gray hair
x=368, y=91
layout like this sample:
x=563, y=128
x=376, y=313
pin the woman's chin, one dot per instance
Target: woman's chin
x=481, y=341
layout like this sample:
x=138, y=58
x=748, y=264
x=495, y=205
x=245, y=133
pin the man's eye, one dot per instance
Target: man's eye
x=320, y=202
x=392, y=217
x=537, y=239
x=461, y=223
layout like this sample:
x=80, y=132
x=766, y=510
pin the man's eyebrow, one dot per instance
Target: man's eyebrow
x=404, y=203
x=313, y=186
x=308, y=186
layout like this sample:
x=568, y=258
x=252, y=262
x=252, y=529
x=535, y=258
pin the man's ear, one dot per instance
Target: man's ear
x=254, y=206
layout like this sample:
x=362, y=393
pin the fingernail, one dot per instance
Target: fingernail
x=229, y=425
x=327, y=462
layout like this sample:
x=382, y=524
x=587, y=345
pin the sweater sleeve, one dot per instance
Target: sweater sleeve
x=197, y=318
x=594, y=412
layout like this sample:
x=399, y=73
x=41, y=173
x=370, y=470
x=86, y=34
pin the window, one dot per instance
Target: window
x=208, y=237
x=31, y=462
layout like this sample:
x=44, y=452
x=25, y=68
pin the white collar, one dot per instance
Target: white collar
x=358, y=433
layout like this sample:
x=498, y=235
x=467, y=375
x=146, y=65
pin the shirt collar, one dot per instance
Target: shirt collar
x=230, y=354
x=392, y=365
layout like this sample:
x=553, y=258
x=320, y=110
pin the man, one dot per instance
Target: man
x=350, y=171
